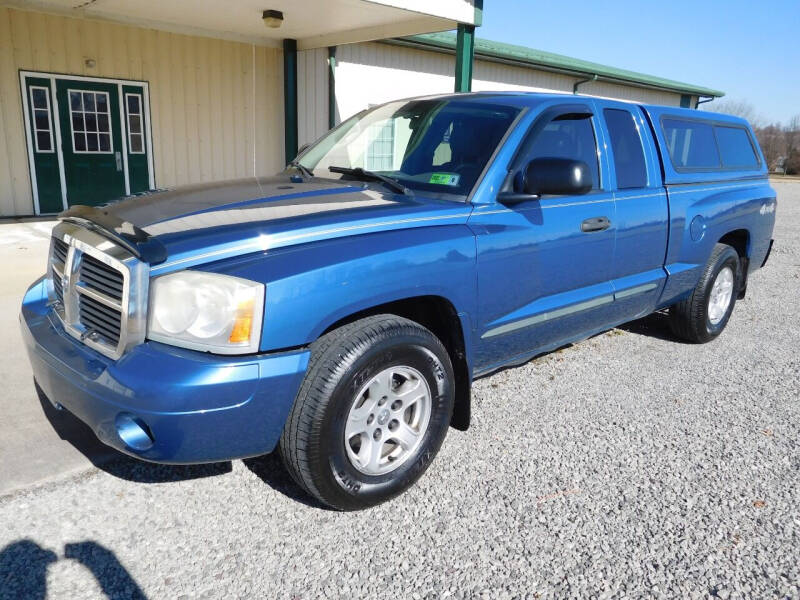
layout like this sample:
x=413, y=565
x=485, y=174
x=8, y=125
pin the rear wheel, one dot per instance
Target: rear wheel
x=371, y=414
x=704, y=314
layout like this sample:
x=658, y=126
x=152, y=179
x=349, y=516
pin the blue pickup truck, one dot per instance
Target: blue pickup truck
x=340, y=310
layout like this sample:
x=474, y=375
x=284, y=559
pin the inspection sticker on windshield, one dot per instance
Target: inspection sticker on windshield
x=444, y=179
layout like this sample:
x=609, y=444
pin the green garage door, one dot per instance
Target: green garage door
x=87, y=140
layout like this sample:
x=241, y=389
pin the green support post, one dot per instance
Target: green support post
x=331, y=87
x=290, y=98
x=465, y=52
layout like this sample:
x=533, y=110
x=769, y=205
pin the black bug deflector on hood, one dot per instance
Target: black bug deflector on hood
x=141, y=244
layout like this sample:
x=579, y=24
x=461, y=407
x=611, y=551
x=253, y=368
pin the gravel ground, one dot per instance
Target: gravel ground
x=626, y=465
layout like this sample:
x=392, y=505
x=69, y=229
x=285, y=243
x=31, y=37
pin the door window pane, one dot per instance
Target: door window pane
x=42, y=125
x=691, y=144
x=91, y=122
x=135, y=129
x=88, y=102
x=568, y=138
x=137, y=146
x=39, y=97
x=133, y=104
x=735, y=147
x=626, y=145
x=43, y=143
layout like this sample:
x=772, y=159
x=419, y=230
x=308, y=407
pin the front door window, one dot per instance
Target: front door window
x=91, y=123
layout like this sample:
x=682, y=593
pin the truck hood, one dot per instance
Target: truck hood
x=208, y=222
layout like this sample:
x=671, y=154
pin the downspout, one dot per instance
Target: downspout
x=582, y=81
x=699, y=102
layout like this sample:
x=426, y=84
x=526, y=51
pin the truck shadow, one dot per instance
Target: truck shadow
x=655, y=325
x=24, y=564
x=270, y=470
x=71, y=429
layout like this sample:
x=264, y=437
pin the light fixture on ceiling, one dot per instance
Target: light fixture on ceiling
x=272, y=18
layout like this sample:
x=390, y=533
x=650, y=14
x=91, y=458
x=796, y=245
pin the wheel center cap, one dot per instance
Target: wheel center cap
x=383, y=416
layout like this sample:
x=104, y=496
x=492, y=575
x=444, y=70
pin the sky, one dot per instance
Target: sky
x=750, y=50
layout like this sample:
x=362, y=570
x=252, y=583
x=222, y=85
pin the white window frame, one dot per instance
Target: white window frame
x=390, y=156
x=84, y=132
x=36, y=130
x=140, y=114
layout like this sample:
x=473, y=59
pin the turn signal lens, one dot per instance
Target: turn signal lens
x=243, y=324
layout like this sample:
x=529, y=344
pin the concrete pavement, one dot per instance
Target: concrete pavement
x=37, y=443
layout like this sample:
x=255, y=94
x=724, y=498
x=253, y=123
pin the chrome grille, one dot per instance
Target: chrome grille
x=100, y=318
x=100, y=277
x=60, y=250
x=58, y=258
x=98, y=289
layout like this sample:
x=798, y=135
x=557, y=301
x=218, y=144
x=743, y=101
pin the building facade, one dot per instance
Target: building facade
x=94, y=105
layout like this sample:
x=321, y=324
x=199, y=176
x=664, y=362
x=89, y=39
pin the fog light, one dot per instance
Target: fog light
x=134, y=432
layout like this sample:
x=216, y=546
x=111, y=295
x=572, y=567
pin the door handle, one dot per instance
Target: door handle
x=595, y=224
x=118, y=156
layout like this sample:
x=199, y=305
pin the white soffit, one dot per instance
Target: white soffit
x=313, y=23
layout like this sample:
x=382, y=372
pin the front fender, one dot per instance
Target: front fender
x=312, y=286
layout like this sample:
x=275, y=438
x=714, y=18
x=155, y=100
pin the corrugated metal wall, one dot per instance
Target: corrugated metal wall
x=216, y=106
x=312, y=94
x=372, y=73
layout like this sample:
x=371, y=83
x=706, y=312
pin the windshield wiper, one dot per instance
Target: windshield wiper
x=302, y=168
x=365, y=175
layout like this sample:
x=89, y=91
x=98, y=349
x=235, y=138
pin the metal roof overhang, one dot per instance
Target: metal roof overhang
x=313, y=23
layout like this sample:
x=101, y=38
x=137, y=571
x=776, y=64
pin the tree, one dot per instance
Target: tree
x=791, y=142
x=771, y=140
x=737, y=108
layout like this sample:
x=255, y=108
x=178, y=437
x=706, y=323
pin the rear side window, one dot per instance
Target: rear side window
x=626, y=144
x=691, y=144
x=735, y=147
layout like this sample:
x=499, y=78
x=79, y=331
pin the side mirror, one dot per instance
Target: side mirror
x=560, y=176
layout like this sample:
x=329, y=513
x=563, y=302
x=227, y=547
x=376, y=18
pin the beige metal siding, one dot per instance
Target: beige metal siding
x=371, y=73
x=492, y=76
x=633, y=94
x=312, y=94
x=216, y=106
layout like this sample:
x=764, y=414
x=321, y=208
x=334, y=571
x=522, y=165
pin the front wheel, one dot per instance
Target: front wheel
x=372, y=412
x=704, y=314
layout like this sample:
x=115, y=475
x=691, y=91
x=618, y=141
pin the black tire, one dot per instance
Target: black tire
x=689, y=318
x=312, y=445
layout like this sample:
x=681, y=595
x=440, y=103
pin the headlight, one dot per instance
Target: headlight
x=206, y=311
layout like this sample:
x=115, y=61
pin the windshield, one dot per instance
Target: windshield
x=426, y=145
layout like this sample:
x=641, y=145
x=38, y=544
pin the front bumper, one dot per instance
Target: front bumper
x=188, y=406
